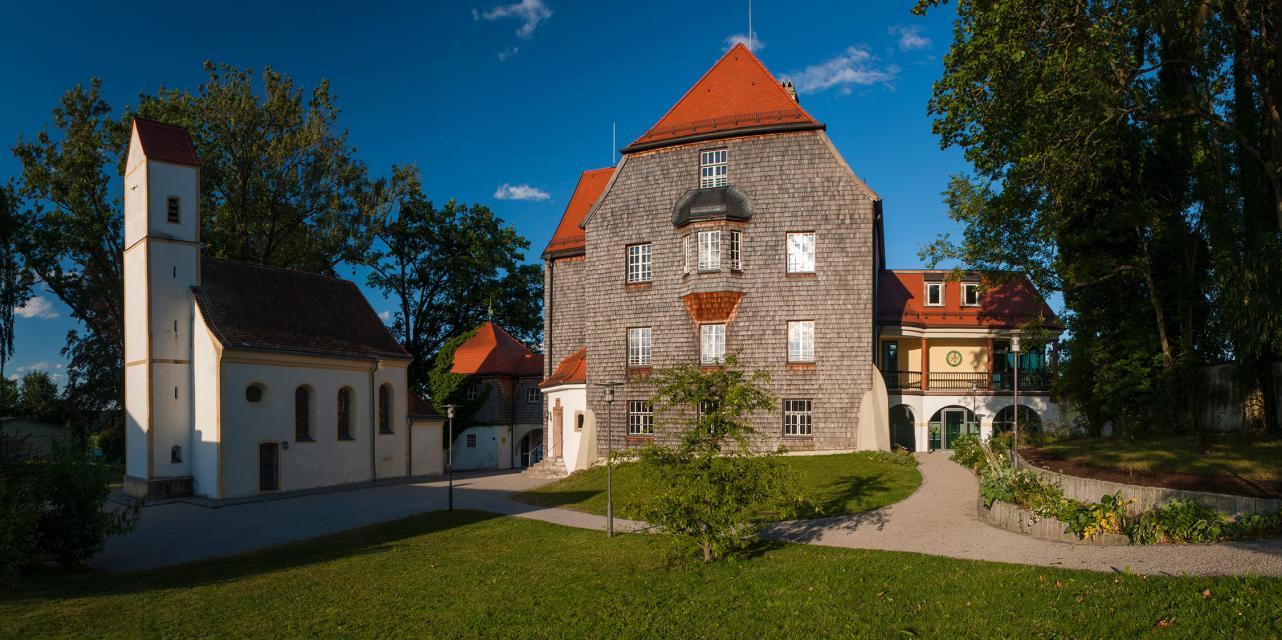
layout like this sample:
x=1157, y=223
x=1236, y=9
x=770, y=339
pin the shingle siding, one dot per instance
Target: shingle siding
x=506, y=403
x=563, y=310
x=795, y=183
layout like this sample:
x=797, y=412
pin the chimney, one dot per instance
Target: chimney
x=792, y=91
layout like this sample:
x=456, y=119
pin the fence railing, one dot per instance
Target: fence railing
x=1030, y=381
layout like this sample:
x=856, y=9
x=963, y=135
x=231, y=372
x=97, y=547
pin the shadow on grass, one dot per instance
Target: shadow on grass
x=570, y=499
x=854, y=489
x=55, y=584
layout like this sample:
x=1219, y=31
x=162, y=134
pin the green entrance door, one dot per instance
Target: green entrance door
x=954, y=425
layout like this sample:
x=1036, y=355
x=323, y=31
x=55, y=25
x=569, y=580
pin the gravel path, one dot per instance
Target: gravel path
x=939, y=519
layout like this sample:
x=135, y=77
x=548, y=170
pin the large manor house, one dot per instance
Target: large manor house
x=732, y=227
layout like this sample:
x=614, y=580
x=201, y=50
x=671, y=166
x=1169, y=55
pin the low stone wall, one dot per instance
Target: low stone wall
x=1020, y=520
x=1145, y=498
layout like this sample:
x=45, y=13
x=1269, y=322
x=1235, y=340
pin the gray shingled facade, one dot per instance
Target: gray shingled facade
x=794, y=182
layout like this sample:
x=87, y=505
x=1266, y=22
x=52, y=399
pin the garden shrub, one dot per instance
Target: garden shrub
x=1180, y=521
x=968, y=451
x=898, y=455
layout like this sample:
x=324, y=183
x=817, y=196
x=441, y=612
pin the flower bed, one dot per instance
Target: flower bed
x=1177, y=521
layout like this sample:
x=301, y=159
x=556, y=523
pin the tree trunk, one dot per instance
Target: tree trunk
x=1167, y=358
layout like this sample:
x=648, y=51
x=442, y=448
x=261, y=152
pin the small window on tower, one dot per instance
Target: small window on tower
x=174, y=209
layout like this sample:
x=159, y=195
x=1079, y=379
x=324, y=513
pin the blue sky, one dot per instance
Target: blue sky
x=498, y=103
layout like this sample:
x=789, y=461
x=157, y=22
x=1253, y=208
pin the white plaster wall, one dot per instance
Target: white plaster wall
x=205, y=368
x=428, y=453
x=325, y=461
x=135, y=193
x=136, y=420
x=164, y=180
x=392, y=450
x=987, y=406
x=493, y=449
x=174, y=271
x=573, y=398
x=171, y=414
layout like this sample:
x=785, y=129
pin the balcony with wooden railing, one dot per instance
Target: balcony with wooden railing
x=965, y=382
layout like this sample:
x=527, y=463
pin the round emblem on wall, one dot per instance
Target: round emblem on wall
x=953, y=358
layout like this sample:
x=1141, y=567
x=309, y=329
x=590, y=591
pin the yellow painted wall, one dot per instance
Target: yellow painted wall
x=974, y=354
x=909, y=353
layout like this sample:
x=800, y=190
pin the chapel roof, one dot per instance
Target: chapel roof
x=166, y=142
x=262, y=308
x=494, y=352
x=417, y=407
x=571, y=370
x=736, y=96
x=569, y=237
x=1006, y=305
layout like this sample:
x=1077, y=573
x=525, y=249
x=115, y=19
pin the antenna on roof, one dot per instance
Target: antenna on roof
x=751, y=38
x=613, y=144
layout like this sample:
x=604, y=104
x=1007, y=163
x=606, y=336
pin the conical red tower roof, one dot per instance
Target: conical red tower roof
x=737, y=95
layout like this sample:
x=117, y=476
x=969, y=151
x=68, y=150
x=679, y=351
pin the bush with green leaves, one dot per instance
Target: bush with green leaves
x=897, y=455
x=1180, y=521
x=968, y=451
x=717, y=482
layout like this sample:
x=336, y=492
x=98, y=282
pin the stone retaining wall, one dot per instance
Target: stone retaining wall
x=1020, y=520
x=1145, y=498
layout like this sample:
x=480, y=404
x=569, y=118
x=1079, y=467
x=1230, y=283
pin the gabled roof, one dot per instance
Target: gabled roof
x=1008, y=305
x=166, y=142
x=251, y=306
x=736, y=96
x=569, y=236
x=494, y=352
x=417, y=407
x=572, y=370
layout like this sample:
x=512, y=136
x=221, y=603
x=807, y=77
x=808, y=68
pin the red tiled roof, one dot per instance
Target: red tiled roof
x=901, y=295
x=572, y=370
x=737, y=93
x=166, y=142
x=419, y=408
x=492, y=351
x=569, y=235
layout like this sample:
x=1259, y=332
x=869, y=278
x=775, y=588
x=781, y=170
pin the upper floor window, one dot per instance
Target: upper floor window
x=736, y=250
x=345, y=414
x=712, y=343
x=303, y=414
x=970, y=294
x=801, y=341
x=173, y=209
x=473, y=391
x=712, y=168
x=639, y=347
x=385, y=409
x=801, y=252
x=533, y=396
x=639, y=263
x=798, y=417
x=934, y=294
x=709, y=250
x=640, y=418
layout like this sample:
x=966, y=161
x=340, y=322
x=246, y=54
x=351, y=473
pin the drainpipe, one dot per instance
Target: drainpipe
x=373, y=429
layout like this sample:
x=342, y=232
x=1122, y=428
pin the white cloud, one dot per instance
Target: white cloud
x=855, y=67
x=529, y=12
x=385, y=316
x=731, y=41
x=508, y=53
x=910, y=38
x=521, y=192
x=36, y=307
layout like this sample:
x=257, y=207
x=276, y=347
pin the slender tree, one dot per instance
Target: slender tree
x=15, y=280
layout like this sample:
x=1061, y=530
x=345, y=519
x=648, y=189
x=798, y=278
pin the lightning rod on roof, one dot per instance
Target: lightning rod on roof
x=613, y=143
x=750, y=35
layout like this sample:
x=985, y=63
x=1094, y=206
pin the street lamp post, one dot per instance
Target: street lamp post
x=1014, y=443
x=609, y=458
x=449, y=415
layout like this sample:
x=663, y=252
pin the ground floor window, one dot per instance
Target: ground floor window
x=640, y=418
x=268, y=466
x=1029, y=421
x=798, y=417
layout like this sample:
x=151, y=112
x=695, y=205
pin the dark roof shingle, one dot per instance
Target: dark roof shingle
x=166, y=142
x=250, y=306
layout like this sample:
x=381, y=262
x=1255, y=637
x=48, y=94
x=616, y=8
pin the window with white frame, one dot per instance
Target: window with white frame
x=709, y=250
x=640, y=418
x=801, y=252
x=712, y=168
x=934, y=294
x=686, y=254
x=712, y=343
x=533, y=396
x=473, y=391
x=970, y=294
x=801, y=341
x=639, y=347
x=639, y=263
x=736, y=250
x=798, y=417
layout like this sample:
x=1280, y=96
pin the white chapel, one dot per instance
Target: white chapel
x=242, y=379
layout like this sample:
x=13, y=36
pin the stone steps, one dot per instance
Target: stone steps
x=547, y=468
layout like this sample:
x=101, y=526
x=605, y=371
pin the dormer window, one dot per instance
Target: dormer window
x=712, y=168
x=934, y=294
x=970, y=294
x=173, y=209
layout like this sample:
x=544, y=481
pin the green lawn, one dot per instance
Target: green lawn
x=836, y=485
x=475, y=575
x=1237, y=454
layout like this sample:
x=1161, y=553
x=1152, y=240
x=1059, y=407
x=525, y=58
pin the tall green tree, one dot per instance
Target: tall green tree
x=448, y=269
x=38, y=397
x=15, y=280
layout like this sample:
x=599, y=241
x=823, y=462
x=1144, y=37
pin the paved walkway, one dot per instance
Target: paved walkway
x=939, y=519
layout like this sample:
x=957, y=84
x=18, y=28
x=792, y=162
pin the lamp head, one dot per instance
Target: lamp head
x=1014, y=344
x=609, y=394
x=449, y=411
